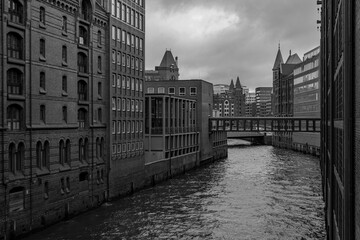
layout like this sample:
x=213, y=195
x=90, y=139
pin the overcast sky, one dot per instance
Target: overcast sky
x=218, y=40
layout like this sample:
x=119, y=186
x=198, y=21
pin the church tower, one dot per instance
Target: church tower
x=168, y=69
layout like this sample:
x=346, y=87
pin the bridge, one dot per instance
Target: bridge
x=265, y=124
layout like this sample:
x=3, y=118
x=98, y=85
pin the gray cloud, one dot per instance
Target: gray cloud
x=220, y=40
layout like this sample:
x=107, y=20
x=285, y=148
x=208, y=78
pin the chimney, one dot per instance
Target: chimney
x=176, y=60
x=290, y=52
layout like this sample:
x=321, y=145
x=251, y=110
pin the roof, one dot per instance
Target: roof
x=278, y=60
x=168, y=60
x=293, y=59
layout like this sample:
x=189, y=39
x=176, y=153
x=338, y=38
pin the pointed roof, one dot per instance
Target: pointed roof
x=278, y=60
x=168, y=60
x=231, y=85
x=293, y=59
x=237, y=84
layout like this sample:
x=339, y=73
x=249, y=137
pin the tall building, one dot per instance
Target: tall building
x=340, y=105
x=283, y=83
x=73, y=75
x=168, y=69
x=250, y=104
x=126, y=113
x=231, y=102
x=263, y=101
x=307, y=99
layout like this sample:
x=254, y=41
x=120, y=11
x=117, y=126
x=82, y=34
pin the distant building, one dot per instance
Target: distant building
x=168, y=69
x=283, y=82
x=220, y=88
x=263, y=101
x=250, y=104
x=231, y=102
x=307, y=99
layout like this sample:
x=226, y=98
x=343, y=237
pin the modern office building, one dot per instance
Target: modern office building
x=221, y=88
x=307, y=99
x=250, y=104
x=283, y=83
x=126, y=99
x=340, y=105
x=263, y=101
x=231, y=102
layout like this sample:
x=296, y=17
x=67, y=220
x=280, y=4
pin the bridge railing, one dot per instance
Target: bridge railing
x=264, y=124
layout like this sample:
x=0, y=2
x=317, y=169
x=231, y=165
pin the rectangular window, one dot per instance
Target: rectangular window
x=113, y=33
x=193, y=91
x=137, y=20
x=119, y=81
x=123, y=7
x=113, y=7
x=114, y=127
x=123, y=82
x=127, y=14
x=118, y=35
x=137, y=85
x=113, y=103
x=113, y=56
x=124, y=127
x=123, y=37
x=132, y=106
x=141, y=106
x=132, y=62
x=119, y=104
x=132, y=41
x=119, y=127
x=136, y=64
x=141, y=22
x=128, y=83
x=150, y=90
x=133, y=84
x=137, y=43
x=123, y=60
x=141, y=65
x=132, y=18
x=123, y=104
x=128, y=39
x=119, y=148
x=118, y=9
x=128, y=105
x=118, y=58
x=171, y=90
x=161, y=90
x=137, y=105
x=114, y=80
x=128, y=61
x=182, y=91
x=141, y=85
x=64, y=83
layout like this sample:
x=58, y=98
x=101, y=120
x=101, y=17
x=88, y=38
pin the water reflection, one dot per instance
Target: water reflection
x=259, y=192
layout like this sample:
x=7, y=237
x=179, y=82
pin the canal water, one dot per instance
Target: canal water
x=258, y=192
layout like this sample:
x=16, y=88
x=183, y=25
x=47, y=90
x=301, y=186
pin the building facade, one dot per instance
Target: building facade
x=250, y=104
x=231, y=102
x=168, y=69
x=263, y=101
x=126, y=114
x=340, y=105
x=307, y=99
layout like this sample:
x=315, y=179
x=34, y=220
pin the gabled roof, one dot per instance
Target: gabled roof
x=278, y=60
x=293, y=59
x=168, y=60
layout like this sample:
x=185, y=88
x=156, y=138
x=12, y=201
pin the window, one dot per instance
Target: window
x=118, y=58
x=123, y=60
x=64, y=83
x=118, y=35
x=82, y=118
x=67, y=158
x=119, y=104
x=64, y=54
x=113, y=103
x=81, y=150
x=16, y=157
x=113, y=127
x=128, y=105
x=141, y=24
x=118, y=9
x=86, y=10
x=127, y=14
x=46, y=190
x=14, y=46
x=61, y=152
x=16, y=12
x=127, y=83
x=124, y=127
x=42, y=113
x=128, y=61
x=42, y=15
x=193, y=91
x=14, y=117
x=123, y=82
x=67, y=185
x=132, y=84
x=64, y=24
x=171, y=90
x=99, y=64
x=99, y=89
x=64, y=113
x=182, y=91
x=123, y=7
x=123, y=104
x=14, y=82
x=141, y=85
x=113, y=8
x=113, y=56
x=42, y=48
x=82, y=63
x=114, y=80
x=83, y=36
x=150, y=90
x=119, y=81
x=132, y=62
x=141, y=65
x=132, y=18
x=128, y=39
x=119, y=127
x=99, y=115
x=132, y=106
x=113, y=33
x=82, y=91
x=42, y=81
x=161, y=90
x=99, y=36
x=42, y=155
x=137, y=20
x=141, y=106
x=123, y=37
x=38, y=154
x=46, y=155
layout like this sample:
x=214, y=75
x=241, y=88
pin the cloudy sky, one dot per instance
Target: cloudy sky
x=218, y=40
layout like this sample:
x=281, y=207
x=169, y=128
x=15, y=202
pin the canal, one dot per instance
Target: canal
x=258, y=192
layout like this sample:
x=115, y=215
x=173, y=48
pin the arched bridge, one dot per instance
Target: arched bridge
x=264, y=124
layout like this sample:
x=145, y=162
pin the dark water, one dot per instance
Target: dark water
x=257, y=193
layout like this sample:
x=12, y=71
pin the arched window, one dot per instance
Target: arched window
x=42, y=48
x=42, y=15
x=42, y=81
x=86, y=10
x=82, y=63
x=99, y=37
x=16, y=12
x=46, y=155
x=67, y=159
x=15, y=81
x=82, y=91
x=81, y=150
x=15, y=46
x=61, y=152
x=12, y=157
x=83, y=36
x=14, y=117
x=38, y=154
x=86, y=149
x=99, y=64
x=64, y=54
x=20, y=157
x=82, y=118
x=64, y=24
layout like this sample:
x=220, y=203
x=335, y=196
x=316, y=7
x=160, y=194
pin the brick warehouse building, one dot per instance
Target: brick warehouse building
x=340, y=138
x=57, y=143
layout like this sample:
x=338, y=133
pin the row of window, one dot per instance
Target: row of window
x=126, y=60
x=127, y=105
x=42, y=20
x=127, y=14
x=306, y=77
x=127, y=83
x=127, y=147
x=127, y=127
x=171, y=90
x=17, y=153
